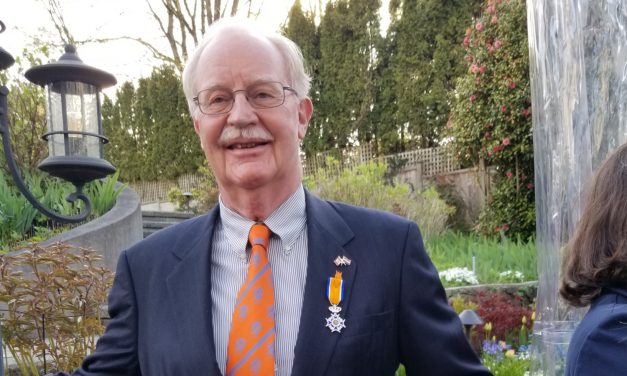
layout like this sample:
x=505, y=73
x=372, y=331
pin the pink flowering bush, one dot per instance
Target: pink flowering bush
x=490, y=117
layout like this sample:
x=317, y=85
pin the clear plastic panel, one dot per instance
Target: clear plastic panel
x=578, y=67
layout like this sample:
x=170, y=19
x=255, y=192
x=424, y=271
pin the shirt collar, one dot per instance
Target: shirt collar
x=287, y=222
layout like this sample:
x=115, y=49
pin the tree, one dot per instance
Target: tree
x=349, y=37
x=425, y=61
x=181, y=22
x=150, y=129
x=491, y=116
x=27, y=115
x=301, y=28
x=184, y=24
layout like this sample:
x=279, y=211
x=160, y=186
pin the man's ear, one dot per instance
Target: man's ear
x=305, y=110
x=197, y=130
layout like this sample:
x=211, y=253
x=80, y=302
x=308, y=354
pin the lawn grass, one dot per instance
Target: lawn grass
x=491, y=256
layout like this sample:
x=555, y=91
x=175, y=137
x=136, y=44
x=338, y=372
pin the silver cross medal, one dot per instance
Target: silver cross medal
x=335, y=322
x=335, y=294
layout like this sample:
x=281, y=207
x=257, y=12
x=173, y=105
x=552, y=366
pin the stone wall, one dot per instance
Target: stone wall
x=111, y=233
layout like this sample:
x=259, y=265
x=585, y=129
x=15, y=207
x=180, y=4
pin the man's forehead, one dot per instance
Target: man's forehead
x=240, y=56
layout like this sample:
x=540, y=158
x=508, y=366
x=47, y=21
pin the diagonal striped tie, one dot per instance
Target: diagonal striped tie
x=250, y=349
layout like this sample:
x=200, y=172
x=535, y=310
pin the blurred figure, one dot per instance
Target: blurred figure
x=594, y=273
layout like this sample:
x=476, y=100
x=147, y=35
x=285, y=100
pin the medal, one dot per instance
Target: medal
x=335, y=293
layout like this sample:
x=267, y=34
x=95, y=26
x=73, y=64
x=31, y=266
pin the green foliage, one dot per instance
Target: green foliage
x=19, y=220
x=365, y=185
x=426, y=59
x=103, y=193
x=16, y=214
x=490, y=117
x=492, y=256
x=203, y=198
x=150, y=130
x=27, y=117
x=60, y=288
x=506, y=365
x=342, y=54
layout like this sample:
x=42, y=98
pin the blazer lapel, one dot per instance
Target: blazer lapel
x=189, y=292
x=327, y=234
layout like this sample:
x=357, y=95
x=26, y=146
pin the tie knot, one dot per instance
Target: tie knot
x=259, y=235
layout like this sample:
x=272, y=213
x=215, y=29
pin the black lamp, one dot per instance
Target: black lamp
x=75, y=137
x=469, y=318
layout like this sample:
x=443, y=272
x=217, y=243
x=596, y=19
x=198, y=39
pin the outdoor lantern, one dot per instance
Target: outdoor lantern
x=75, y=138
x=74, y=135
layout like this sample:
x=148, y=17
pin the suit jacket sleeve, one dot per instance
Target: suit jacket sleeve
x=599, y=344
x=431, y=338
x=116, y=351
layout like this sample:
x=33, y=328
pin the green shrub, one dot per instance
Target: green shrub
x=61, y=289
x=365, y=185
x=490, y=118
x=203, y=198
x=19, y=220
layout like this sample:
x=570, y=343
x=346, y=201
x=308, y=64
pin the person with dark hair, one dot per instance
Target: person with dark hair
x=594, y=273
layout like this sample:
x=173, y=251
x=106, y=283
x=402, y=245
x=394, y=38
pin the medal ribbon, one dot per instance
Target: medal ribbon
x=335, y=289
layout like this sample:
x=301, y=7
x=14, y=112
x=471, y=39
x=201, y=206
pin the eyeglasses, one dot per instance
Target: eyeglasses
x=263, y=94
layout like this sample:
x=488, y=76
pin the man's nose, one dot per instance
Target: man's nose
x=242, y=113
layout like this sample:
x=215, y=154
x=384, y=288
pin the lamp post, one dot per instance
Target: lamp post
x=469, y=318
x=75, y=137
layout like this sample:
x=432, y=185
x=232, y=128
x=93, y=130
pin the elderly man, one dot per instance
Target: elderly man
x=273, y=281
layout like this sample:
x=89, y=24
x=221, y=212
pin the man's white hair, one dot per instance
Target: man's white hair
x=290, y=52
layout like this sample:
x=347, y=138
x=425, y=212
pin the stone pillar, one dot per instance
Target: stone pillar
x=578, y=67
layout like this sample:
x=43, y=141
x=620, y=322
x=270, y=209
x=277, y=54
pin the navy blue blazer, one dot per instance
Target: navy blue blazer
x=599, y=344
x=395, y=306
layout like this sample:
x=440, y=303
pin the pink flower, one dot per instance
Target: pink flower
x=509, y=174
x=490, y=9
x=506, y=141
x=487, y=135
x=497, y=44
x=466, y=41
x=529, y=185
x=483, y=69
x=474, y=68
x=511, y=84
x=505, y=227
x=472, y=98
x=494, y=19
x=496, y=148
x=525, y=112
x=479, y=26
x=504, y=109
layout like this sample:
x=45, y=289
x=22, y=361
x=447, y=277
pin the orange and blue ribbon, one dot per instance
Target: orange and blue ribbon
x=335, y=289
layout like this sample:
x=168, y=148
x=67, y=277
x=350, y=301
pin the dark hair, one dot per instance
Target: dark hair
x=596, y=255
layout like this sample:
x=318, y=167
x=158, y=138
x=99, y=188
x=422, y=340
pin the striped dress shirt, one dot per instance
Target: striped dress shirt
x=287, y=254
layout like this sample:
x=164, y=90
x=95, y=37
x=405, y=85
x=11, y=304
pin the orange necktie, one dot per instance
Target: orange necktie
x=251, y=341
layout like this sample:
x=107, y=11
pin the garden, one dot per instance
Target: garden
x=52, y=297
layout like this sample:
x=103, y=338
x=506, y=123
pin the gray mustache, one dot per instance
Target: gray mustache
x=233, y=133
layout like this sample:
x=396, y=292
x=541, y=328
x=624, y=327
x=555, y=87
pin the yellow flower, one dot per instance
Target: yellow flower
x=533, y=316
x=524, y=320
x=510, y=353
x=487, y=327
